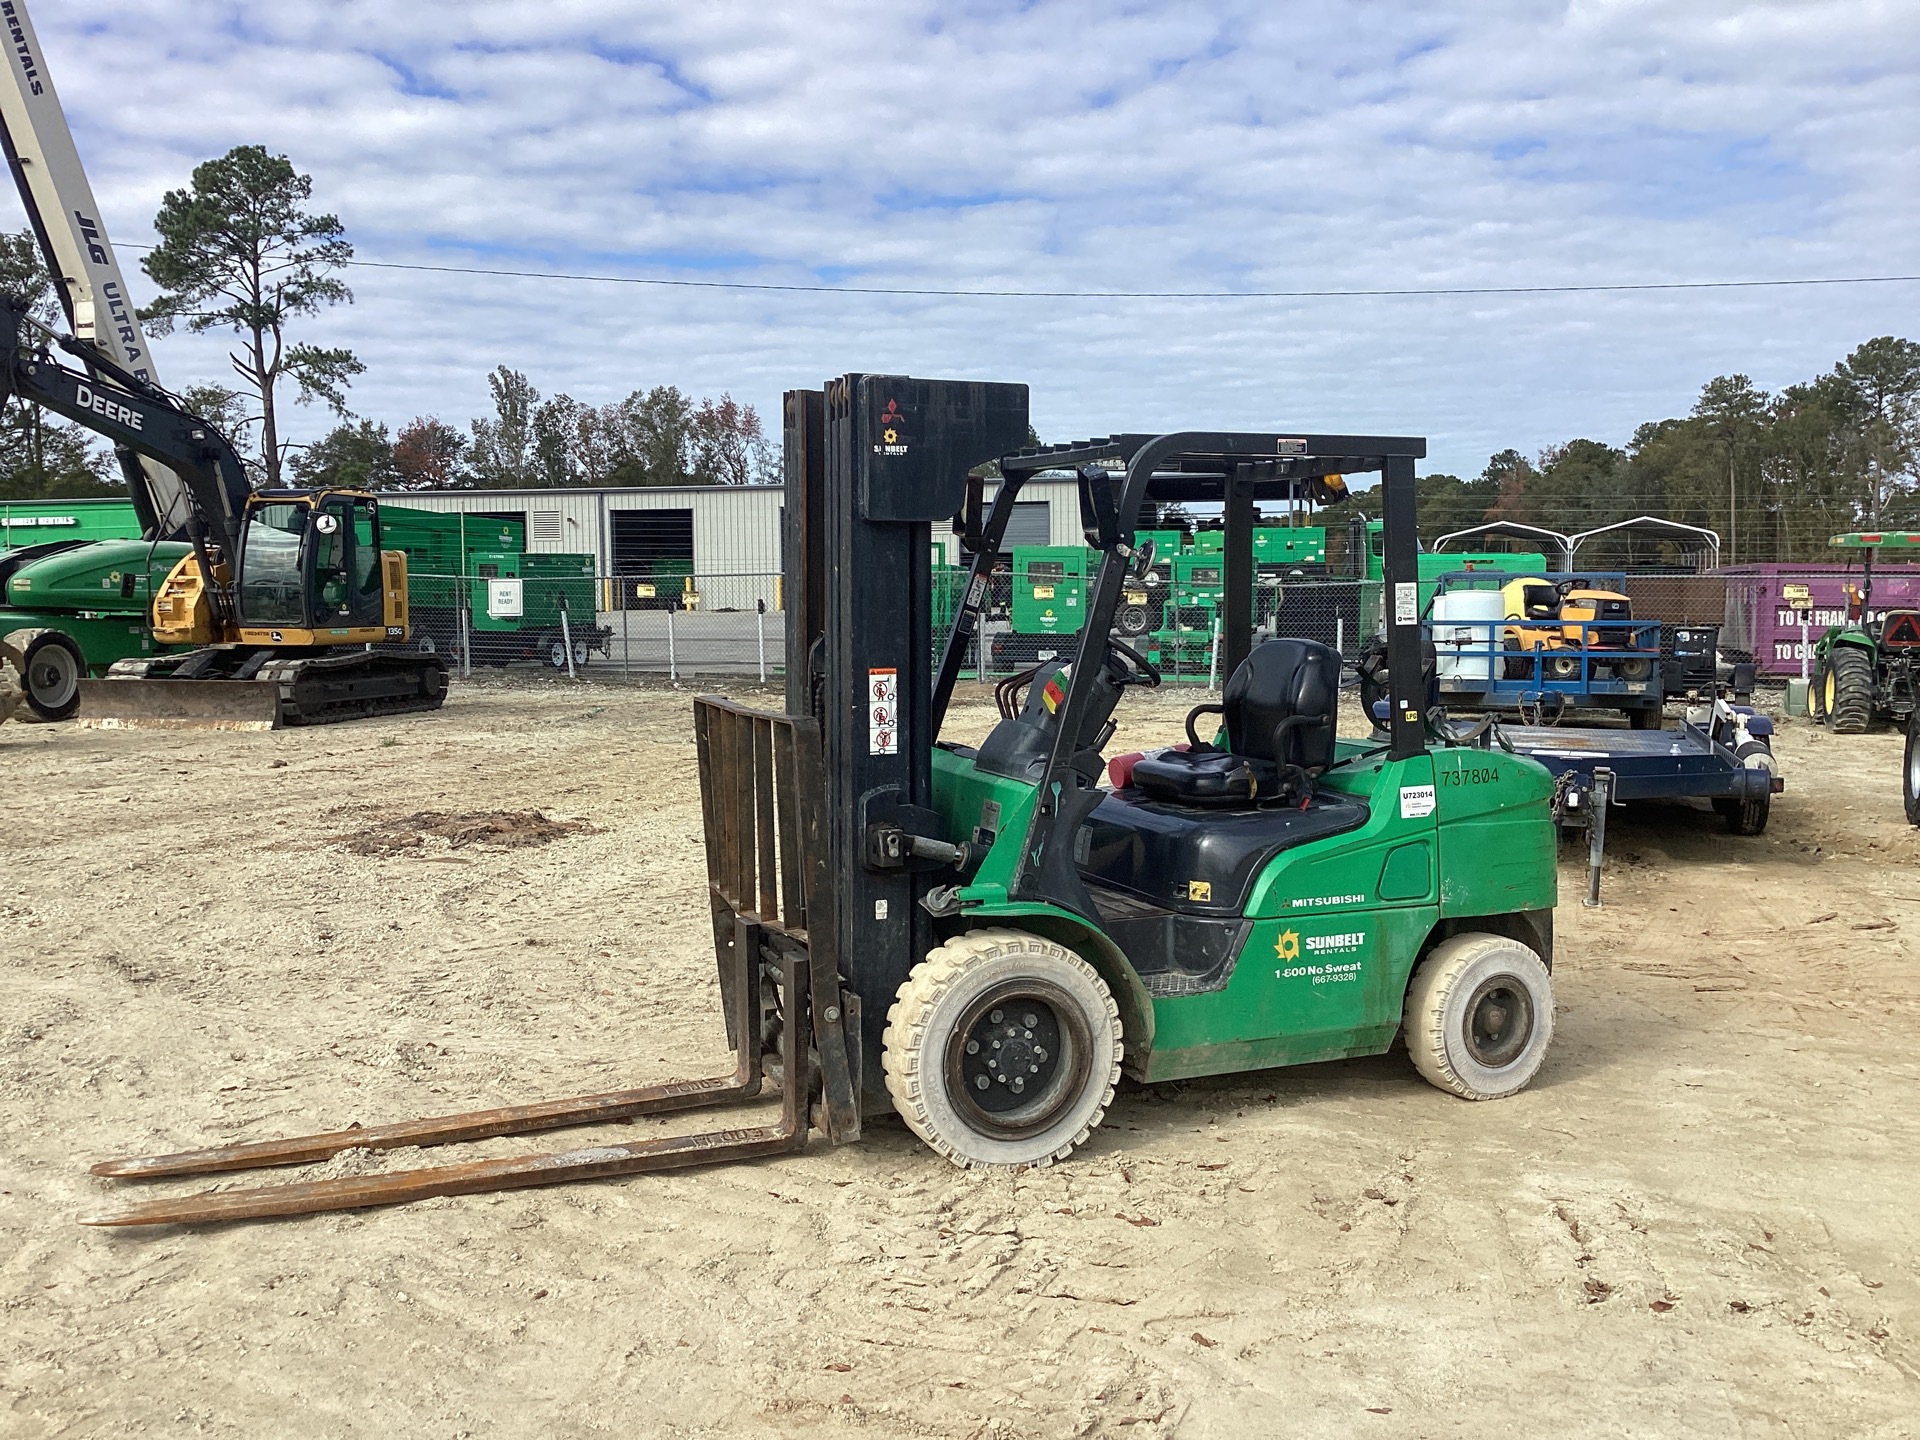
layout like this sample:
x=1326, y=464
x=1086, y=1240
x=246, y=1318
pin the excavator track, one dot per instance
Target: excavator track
x=242, y=688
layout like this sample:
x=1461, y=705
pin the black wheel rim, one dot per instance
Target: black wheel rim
x=1498, y=1021
x=1018, y=1058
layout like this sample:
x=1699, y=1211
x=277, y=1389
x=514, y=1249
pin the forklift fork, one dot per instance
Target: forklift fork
x=787, y=1014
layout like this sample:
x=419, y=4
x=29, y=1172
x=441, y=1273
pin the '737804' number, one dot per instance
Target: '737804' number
x=1469, y=775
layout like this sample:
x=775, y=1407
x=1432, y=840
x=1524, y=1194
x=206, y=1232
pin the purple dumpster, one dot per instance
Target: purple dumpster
x=1762, y=624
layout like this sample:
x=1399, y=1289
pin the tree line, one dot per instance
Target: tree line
x=240, y=253
x=1774, y=474
x=660, y=436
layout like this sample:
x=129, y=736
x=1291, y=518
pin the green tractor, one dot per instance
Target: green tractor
x=1868, y=669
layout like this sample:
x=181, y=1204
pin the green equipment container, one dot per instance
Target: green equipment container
x=1049, y=589
x=34, y=522
x=1288, y=547
x=548, y=585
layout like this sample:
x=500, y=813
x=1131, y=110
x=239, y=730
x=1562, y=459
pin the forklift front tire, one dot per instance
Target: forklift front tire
x=1479, y=1016
x=1002, y=1050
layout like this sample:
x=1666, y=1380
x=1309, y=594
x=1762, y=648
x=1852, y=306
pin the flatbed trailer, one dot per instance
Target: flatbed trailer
x=1725, y=757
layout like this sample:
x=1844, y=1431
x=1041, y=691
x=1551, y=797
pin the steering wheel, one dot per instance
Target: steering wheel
x=1134, y=668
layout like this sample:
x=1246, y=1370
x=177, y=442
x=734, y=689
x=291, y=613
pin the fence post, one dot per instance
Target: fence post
x=626, y=639
x=466, y=638
x=566, y=639
x=673, y=667
x=760, y=629
x=1213, y=654
x=1340, y=633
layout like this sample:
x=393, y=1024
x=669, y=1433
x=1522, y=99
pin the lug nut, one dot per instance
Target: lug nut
x=980, y=1082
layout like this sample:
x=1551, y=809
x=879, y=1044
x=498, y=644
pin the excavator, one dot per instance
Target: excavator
x=271, y=616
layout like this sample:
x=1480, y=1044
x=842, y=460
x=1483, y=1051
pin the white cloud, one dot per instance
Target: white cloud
x=1064, y=146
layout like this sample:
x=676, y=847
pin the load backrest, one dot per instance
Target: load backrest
x=1281, y=680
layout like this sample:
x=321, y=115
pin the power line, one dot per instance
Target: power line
x=938, y=292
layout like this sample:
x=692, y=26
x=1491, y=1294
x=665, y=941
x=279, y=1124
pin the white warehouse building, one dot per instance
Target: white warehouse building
x=729, y=535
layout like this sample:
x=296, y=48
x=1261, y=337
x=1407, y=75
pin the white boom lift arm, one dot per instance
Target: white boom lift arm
x=73, y=238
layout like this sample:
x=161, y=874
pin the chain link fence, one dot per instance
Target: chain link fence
x=623, y=627
x=679, y=622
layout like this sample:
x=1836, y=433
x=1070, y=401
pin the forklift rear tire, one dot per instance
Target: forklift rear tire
x=51, y=670
x=1479, y=1016
x=1002, y=1050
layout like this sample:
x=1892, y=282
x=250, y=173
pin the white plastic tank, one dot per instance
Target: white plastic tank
x=1466, y=633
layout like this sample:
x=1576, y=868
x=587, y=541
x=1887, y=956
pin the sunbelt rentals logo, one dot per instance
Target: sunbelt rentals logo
x=1319, y=959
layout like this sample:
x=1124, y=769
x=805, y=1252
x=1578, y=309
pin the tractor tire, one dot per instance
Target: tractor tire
x=1639, y=667
x=51, y=669
x=972, y=1016
x=1910, y=769
x=1479, y=1016
x=1849, y=691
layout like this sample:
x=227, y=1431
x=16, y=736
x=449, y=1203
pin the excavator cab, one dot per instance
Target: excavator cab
x=312, y=560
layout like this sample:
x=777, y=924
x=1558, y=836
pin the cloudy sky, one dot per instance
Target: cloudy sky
x=1056, y=145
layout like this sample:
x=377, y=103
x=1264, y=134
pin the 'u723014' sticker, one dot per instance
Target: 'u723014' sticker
x=1416, y=801
x=883, y=712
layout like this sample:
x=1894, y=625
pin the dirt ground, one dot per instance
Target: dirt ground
x=1701, y=1221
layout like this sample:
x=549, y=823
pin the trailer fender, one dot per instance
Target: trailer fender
x=1098, y=950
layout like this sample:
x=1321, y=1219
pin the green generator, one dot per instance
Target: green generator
x=1049, y=589
x=519, y=601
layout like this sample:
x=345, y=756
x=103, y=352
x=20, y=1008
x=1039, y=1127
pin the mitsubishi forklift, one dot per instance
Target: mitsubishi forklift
x=983, y=939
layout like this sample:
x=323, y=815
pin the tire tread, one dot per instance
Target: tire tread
x=911, y=1012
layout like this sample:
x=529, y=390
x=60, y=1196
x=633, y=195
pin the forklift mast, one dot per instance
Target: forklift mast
x=872, y=463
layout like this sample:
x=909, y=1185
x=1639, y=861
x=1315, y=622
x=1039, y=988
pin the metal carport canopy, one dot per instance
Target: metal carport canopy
x=1512, y=530
x=1704, y=539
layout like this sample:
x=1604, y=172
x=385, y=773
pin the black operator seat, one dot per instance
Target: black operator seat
x=1280, y=711
x=1192, y=830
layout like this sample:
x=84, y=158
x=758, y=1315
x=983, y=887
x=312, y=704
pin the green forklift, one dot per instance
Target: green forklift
x=1868, y=669
x=983, y=939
